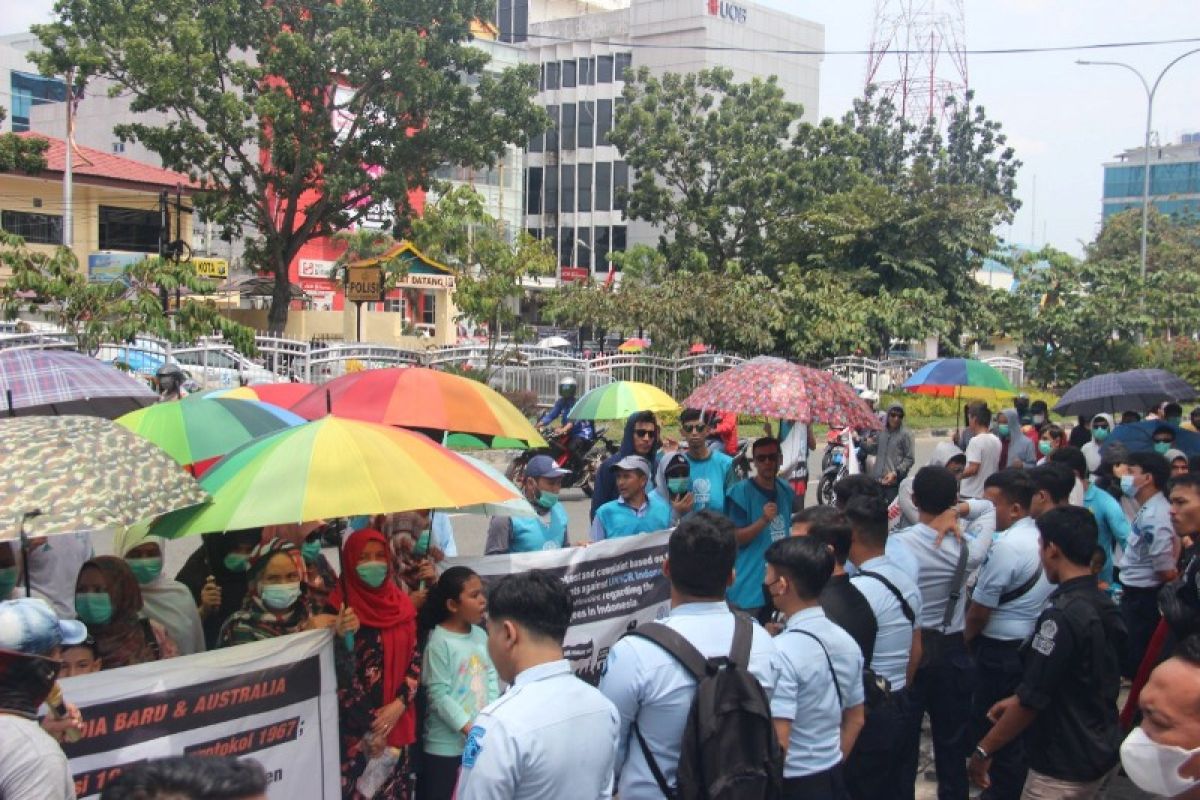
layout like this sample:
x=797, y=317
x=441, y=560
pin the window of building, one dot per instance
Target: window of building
x=603, y=185
x=566, y=247
x=618, y=240
x=512, y=18
x=429, y=310
x=535, y=233
x=604, y=121
x=552, y=78
x=128, y=229
x=566, y=132
x=623, y=62
x=583, y=236
x=533, y=190
x=604, y=69
x=567, y=178
x=600, y=248
x=394, y=305
x=550, y=182
x=587, y=71
x=536, y=143
x=620, y=183
x=552, y=130
x=585, y=188
x=34, y=228
x=569, y=73
x=29, y=90
x=587, y=122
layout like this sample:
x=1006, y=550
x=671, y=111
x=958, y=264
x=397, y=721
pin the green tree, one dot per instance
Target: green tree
x=117, y=311
x=296, y=116
x=1173, y=242
x=21, y=154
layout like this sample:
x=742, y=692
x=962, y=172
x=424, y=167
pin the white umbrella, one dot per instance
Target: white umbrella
x=516, y=507
x=554, y=341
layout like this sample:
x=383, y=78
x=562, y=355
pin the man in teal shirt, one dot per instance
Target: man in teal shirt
x=761, y=508
x=634, y=511
x=546, y=531
x=709, y=468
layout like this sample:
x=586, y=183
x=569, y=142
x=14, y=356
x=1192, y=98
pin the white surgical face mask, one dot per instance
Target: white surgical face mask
x=1154, y=767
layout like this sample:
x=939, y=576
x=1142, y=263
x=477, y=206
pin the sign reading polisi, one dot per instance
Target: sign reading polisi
x=727, y=10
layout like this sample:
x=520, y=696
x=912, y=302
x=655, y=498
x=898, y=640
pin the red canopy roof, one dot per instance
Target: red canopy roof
x=92, y=163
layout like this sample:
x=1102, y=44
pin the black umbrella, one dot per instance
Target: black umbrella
x=1114, y=392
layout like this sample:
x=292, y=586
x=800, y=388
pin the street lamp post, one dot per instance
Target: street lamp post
x=1150, y=92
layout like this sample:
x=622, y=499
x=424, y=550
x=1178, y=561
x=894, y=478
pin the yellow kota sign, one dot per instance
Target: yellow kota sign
x=211, y=267
x=364, y=285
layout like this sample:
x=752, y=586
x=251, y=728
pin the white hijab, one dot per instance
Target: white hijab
x=168, y=602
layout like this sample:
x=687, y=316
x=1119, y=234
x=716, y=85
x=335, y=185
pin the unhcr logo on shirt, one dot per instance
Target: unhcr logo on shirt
x=729, y=11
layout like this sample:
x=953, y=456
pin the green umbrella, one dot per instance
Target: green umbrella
x=473, y=441
x=195, y=430
x=619, y=399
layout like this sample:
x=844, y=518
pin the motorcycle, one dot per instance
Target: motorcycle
x=834, y=466
x=582, y=466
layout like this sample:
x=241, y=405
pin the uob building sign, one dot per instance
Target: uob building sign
x=727, y=10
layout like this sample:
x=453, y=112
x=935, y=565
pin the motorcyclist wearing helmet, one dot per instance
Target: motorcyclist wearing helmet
x=170, y=380
x=580, y=433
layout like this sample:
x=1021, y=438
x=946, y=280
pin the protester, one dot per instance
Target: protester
x=1184, y=496
x=80, y=659
x=841, y=601
x=634, y=511
x=983, y=451
x=860, y=485
x=319, y=576
x=1021, y=406
x=876, y=767
x=673, y=483
x=457, y=674
x=32, y=765
x=189, y=778
x=1039, y=417
x=1162, y=755
x=1066, y=702
x=1193, y=423
x=53, y=564
x=945, y=454
x=894, y=450
x=551, y=734
x=797, y=440
x=1016, y=450
x=1112, y=526
x=1050, y=439
x=724, y=431
x=1053, y=483
x=545, y=531
x=414, y=554
x=1172, y=414
x=1163, y=439
x=109, y=602
x=945, y=676
x=709, y=470
x=1148, y=561
x=1081, y=431
x=650, y=687
x=377, y=718
x=641, y=439
x=1101, y=427
x=818, y=701
x=761, y=510
x=215, y=574
x=167, y=602
x=1178, y=462
x=1009, y=593
x=1130, y=417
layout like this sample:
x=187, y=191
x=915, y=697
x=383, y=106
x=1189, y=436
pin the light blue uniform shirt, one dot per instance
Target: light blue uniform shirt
x=1151, y=546
x=898, y=553
x=744, y=505
x=1112, y=523
x=616, y=518
x=708, y=480
x=550, y=735
x=1014, y=556
x=530, y=534
x=805, y=693
x=936, y=570
x=649, y=686
x=443, y=534
x=894, y=636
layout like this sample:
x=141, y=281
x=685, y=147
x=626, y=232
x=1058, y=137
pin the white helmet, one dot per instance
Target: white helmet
x=567, y=387
x=870, y=396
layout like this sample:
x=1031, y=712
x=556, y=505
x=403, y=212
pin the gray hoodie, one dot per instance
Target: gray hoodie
x=1020, y=448
x=893, y=450
x=908, y=509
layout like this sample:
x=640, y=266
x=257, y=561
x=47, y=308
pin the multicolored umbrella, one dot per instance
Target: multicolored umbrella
x=67, y=474
x=619, y=399
x=427, y=399
x=961, y=379
x=772, y=387
x=284, y=395
x=201, y=429
x=331, y=468
x=40, y=382
x=633, y=345
x=471, y=441
x=518, y=506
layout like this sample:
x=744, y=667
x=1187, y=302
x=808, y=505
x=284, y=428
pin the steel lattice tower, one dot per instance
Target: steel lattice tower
x=918, y=55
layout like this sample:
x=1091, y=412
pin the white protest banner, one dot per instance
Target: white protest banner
x=615, y=585
x=274, y=701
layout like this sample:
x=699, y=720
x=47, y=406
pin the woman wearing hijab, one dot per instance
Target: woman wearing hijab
x=216, y=574
x=109, y=602
x=167, y=602
x=1016, y=450
x=376, y=686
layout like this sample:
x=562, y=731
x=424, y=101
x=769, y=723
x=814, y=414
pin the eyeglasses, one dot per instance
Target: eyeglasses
x=699, y=428
x=644, y=434
x=766, y=457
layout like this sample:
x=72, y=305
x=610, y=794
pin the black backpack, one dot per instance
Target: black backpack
x=729, y=749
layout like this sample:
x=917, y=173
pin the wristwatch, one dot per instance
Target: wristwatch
x=980, y=753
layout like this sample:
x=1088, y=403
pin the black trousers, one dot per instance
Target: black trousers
x=827, y=785
x=438, y=777
x=999, y=669
x=876, y=767
x=1139, y=610
x=943, y=689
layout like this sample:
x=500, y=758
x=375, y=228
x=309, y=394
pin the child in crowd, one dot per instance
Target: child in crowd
x=80, y=659
x=458, y=676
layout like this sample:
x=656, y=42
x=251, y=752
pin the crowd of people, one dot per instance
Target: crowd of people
x=1003, y=590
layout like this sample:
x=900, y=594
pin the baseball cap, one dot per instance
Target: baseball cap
x=635, y=463
x=544, y=467
x=29, y=625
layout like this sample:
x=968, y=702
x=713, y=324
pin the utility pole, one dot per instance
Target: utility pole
x=68, y=222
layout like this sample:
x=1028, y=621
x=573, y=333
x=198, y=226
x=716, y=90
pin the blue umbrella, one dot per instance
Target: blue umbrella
x=1114, y=392
x=1139, y=437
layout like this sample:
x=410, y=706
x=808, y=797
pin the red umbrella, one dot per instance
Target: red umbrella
x=284, y=395
x=772, y=387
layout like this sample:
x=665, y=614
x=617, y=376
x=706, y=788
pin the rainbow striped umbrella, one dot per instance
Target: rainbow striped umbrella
x=619, y=399
x=331, y=468
x=197, y=430
x=284, y=395
x=960, y=378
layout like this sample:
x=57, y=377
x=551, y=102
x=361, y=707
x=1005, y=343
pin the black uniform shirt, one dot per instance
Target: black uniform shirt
x=846, y=607
x=1072, y=677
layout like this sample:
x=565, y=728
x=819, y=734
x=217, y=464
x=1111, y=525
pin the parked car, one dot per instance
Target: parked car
x=209, y=367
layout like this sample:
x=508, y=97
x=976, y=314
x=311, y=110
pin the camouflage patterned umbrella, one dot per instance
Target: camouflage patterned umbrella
x=65, y=474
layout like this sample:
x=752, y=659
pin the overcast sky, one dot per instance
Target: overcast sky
x=1064, y=120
